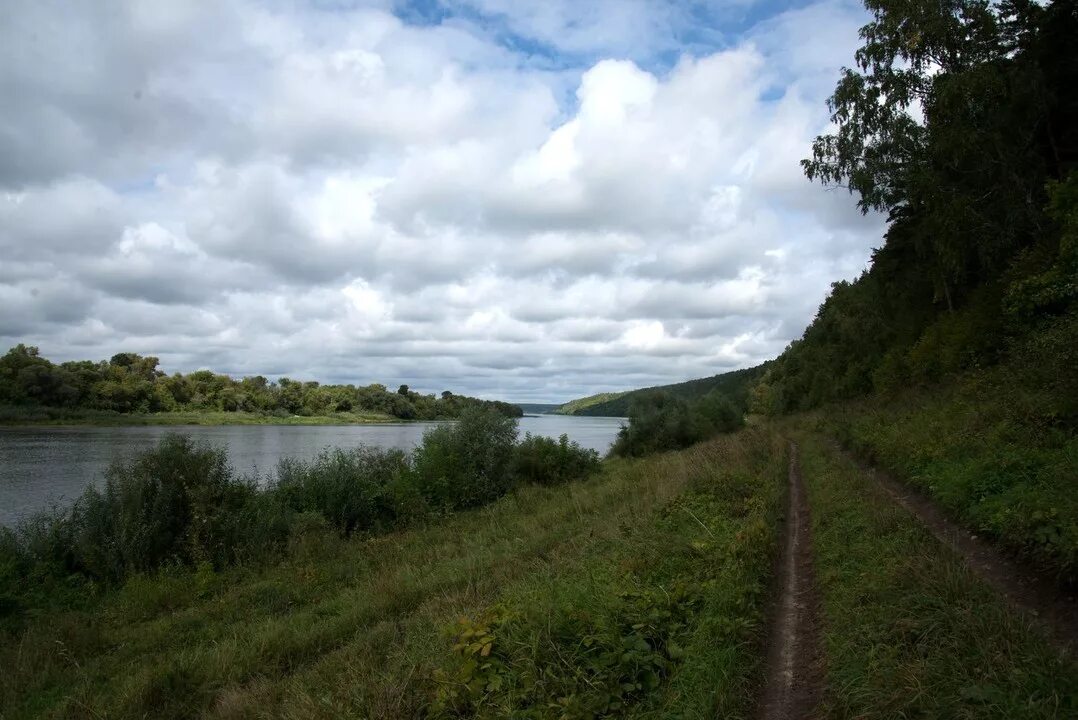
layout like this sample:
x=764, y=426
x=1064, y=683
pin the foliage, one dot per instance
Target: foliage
x=659, y=421
x=960, y=121
x=466, y=463
x=544, y=461
x=130, y=383
x=351, y=627
x=181, y=504
x=996, y=448
x=589, y=405
x=178, y=503
x=353, y=490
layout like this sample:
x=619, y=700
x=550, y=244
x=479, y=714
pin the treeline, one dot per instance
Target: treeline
x=182, y=504
x=960, y=121
x=131, y=383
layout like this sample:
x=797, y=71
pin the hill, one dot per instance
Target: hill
x=537, y=408
x=580, y=405
x=734, y=385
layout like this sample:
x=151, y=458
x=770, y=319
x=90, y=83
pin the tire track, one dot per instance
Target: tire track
x=1033, y=593
x=794, y=680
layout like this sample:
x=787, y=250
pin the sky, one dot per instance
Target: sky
x=531, y=201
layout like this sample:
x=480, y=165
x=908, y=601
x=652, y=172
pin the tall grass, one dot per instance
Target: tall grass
x=909, y=630
x=665, y=624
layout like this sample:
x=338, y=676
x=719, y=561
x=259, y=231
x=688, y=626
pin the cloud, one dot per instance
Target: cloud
x=528, y=201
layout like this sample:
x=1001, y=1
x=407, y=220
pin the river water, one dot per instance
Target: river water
x=44, y=465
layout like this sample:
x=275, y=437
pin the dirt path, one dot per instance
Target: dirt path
x=1038, y=596
x=794, y=661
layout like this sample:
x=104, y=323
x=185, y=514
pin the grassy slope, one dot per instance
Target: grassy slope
x=357, y=628
x=735, y=384
x=996, y=448
x=909, y=631
x=59, y=416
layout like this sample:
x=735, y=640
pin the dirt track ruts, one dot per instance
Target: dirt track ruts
x=1055, y=611
x=794, y=680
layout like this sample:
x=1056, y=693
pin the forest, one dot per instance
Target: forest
x=960, y=123
x=131, y=383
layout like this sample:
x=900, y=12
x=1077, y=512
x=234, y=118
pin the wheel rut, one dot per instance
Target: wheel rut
x=794, y=680
x=1036, y=595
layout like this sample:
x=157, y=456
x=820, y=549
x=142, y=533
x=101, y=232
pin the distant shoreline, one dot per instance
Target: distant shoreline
x=44, y=417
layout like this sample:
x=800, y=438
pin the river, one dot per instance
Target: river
x=43, y=465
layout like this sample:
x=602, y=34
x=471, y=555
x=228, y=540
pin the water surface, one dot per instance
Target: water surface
x=42, y=465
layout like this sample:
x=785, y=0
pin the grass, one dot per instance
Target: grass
x=1004, y=477
x=10, y=415
x=909, y=631
x=357, y=627
x=997, y=448
x=665, y=622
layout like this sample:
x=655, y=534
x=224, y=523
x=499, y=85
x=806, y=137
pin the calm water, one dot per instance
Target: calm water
x=42, y=465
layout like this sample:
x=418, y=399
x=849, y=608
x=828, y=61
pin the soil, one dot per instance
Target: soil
x=795, y=674
x=1037, y=595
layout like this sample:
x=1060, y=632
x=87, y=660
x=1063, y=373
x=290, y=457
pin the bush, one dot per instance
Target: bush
x=543, y=461
x=466, y=464
x=719, y=413
x=178, y=503
x=353, y=490
x=660, y=422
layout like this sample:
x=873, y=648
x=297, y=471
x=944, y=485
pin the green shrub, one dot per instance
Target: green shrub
x=544, y=461
x=657, y=422
x=351, y=489
x=177, y=503
x=467, y=463
x=720, y=414
x=660, y=422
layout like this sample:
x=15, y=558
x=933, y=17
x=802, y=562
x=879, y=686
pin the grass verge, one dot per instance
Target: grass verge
x=666, y=623
x=909, y=631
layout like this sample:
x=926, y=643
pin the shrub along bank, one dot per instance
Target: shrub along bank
x=181, y=504
x=660, y=421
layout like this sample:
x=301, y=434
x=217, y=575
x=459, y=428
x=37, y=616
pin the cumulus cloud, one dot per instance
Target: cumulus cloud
x=531, y=201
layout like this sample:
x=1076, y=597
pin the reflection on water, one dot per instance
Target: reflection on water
x=41, y=465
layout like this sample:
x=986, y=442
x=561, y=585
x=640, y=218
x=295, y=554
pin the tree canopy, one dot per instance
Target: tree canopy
x=133, y=383
x=959, y=120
